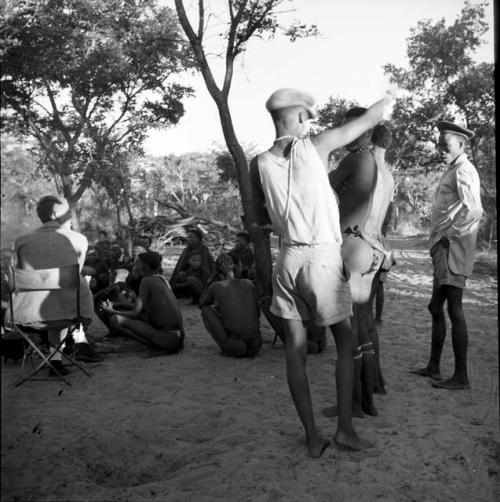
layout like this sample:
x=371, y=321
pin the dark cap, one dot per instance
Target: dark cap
x=446, y=127
x=195, y=231
x=151, y=259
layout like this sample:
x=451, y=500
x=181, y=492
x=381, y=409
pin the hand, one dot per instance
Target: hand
x=445, y=241
x=107, y=306
x=389, y=101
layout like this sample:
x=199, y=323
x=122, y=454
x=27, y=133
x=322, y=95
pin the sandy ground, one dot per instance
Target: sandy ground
x=202, y=427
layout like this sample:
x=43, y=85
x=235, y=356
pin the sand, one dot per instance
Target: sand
x=199, y=426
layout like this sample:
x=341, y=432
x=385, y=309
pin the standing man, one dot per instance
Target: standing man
x=290, y=190
x=454, y=224
x=366, y=189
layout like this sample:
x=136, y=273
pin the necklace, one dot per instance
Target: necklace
x=283, y=137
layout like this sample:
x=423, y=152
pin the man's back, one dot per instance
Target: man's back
x=238, y=305
x=160, y=303
x=51, y=246
x=367, y=191
x=301, y=207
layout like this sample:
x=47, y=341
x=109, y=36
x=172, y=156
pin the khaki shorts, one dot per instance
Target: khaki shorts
x=443, y=276
x=309, y=284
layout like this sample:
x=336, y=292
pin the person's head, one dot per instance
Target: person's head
x=194, y=260
x=452, y=140
x=102, y=235
x=363, y=140
x=224, y=264
x=52, y=208
x=291, y=111
x=242, y=239
x=150, y=263
x=145, y=241
x=194, y=236
x=137, y=250
x=381, y=136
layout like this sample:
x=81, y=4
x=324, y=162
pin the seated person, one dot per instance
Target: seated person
x=242, y=256
x=53, y=245
x=192, y=281
x=234, y=321
x=155, y=318
x=194, y=246
x=102, y=246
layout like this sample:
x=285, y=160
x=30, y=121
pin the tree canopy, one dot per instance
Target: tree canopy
x=84, y=77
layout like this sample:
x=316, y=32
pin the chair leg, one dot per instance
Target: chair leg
x=73, y=361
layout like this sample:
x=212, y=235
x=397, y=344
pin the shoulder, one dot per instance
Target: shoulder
x=466, y=171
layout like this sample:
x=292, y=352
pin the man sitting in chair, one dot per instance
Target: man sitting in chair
x=53, y=245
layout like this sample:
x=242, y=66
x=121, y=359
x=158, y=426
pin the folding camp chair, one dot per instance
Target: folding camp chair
x=44, y=280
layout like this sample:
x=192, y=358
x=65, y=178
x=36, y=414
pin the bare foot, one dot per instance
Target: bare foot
x=452, y=384
x=332, y=411
x=351, y=441
x=316, y=447
x=428, y=372
x=154, y=352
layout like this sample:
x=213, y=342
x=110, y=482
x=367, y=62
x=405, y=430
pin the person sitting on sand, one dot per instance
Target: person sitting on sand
x=234, y=320
x=194, y=246
x=455, y=217
x=192, y=281
x=155, y=319
x=242, y=256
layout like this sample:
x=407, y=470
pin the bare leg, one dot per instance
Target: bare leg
x=168, y=340
x=213, y=323
x=369, y=369
x=379, y=302
x=438, y=334
x=379, y=384
x=296, y=357
x=345, y=436
x=460, y=339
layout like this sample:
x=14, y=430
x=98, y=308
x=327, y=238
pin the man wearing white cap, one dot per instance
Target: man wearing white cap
x=454, y=224
x=291, y=191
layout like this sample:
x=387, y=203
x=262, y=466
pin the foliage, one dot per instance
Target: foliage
x=443, y=82
x=85, y=77
x=226, y=166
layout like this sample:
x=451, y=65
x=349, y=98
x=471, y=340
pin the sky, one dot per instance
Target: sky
x=357, y=37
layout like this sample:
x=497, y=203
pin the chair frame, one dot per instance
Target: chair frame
x=32, y=346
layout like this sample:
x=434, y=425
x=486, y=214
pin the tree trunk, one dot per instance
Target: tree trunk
x=261, y=242
x=75, y=218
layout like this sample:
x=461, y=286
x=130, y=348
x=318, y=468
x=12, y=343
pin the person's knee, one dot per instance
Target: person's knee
x=435, y=309
x=456, y=313
x=114, y=322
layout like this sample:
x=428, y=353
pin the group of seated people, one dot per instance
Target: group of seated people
x=137, y=302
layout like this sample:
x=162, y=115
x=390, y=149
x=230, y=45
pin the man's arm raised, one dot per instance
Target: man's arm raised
x=331, y=139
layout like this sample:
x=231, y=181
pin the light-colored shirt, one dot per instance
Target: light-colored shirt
x=456, y=213
x=51, y=246
x=299, y=200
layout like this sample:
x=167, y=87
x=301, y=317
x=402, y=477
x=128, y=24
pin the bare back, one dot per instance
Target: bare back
x=238, y=306
x=159, y=302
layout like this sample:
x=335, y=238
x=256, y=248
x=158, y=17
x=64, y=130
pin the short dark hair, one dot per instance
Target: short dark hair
x=382, y=136
x=355, y=111
x=195, y=231
x=151, y=259
x=103, y=232
x=45, y=207
x=245, y=236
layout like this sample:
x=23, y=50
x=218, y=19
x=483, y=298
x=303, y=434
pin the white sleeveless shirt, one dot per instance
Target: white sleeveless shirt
x=299, y=200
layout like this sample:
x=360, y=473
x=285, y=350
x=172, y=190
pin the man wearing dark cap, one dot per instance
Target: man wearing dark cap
x=454, y=224
x=155, y=319
x=291, y=191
